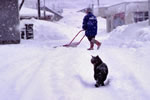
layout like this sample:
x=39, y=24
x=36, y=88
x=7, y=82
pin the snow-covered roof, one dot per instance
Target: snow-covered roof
x=115, y=2
x=127, y=7
x=31, y=12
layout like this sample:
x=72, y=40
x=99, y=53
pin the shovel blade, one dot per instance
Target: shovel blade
x=75, y=44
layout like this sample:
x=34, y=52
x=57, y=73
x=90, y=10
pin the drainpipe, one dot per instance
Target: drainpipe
x=98, y=3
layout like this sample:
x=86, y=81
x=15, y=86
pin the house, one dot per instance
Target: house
x=123, y=13
x=50, y=15
x=56, y=16
x=28, y=13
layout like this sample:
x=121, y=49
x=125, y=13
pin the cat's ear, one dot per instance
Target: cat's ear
x=92, y=56
x=97, y=56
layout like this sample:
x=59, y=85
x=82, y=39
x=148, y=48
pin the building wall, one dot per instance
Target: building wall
x=9, y=19
x=136, y=6
x=108, y=21
x=129, y=8
x=100, y=11
x=118, y=8
x=129, y=18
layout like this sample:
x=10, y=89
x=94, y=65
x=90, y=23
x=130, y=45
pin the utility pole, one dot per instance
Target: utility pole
x=98, y=7
x=98, y=3
x=92, y=5
x=44, y=10
x=39, y=12
x=149, y=10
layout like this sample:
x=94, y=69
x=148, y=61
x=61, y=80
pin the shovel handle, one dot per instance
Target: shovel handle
x=81, y=39
x=75, y=36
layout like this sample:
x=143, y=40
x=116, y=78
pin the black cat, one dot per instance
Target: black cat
x=100, y=71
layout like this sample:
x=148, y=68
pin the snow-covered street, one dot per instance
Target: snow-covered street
x=33, y=73
x=34, y=70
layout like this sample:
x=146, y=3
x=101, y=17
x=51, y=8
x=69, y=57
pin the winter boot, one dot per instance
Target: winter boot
x=91, y=46
x=97, y=43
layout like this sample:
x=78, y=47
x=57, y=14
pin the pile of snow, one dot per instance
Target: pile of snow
x=34, y=70
x=44, y=30
x=133, y=35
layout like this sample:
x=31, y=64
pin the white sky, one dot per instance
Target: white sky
x=76, y=3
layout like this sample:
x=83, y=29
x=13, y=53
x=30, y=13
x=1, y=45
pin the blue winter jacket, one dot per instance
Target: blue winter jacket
x=90, y=25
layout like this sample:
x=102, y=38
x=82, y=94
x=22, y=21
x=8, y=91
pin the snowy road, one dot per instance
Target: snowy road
x=34, y=70
x=67, y=74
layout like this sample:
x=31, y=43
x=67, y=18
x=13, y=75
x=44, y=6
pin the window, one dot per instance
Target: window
x=118, y=19
x=140, y=16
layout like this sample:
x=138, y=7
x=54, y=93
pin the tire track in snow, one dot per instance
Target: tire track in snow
x=59, y=72
x=63, y=71
x=32, y=89
x=124, y=83
x=20, y=77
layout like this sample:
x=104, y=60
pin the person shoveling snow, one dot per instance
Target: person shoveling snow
x=90, y=27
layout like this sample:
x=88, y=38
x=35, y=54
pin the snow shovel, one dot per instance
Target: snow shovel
x=74, y=44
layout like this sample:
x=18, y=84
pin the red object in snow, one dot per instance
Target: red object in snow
x=74, y=44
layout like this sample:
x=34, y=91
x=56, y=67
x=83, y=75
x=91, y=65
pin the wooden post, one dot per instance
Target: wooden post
x=44, y=10
x=98, y=3
x=21, y=4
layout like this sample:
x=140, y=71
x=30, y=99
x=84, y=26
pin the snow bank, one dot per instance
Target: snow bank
x=133, y=35
x=45, y=30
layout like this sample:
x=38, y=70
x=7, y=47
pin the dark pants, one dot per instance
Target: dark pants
x=90, y=38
